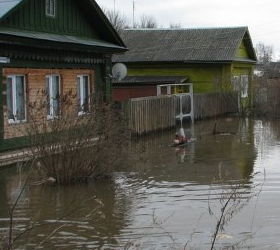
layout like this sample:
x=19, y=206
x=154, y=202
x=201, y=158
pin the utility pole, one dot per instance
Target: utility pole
x=133, y=14
x=114, y=8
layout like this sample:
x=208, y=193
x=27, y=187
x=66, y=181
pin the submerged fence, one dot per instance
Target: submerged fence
x=267, y=98
x=150, y=114
x=214, y=104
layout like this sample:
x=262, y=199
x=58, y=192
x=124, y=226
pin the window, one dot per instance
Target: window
x=244, y=85
x=51, y=8
x=53, y=93
x=241, y=84
x=16, y=98
x=83, y=93
x=236, y=83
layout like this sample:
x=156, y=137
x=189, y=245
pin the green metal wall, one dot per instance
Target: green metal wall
x=242, y=51
x=207, y=78
x=204, y=77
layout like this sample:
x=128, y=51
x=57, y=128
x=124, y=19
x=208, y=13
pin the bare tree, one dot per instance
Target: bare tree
x=148, y=22
x=175, y=25
x=118, y=20
x=73, y=148
x=264, y=53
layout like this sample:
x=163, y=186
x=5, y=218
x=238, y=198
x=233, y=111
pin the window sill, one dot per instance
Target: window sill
x=14, y=122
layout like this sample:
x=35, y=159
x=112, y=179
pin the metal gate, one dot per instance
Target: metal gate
x=183, y=94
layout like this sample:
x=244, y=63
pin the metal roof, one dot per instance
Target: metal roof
x=59, y=38
x=185, y=45
x=145, y=80
x=7, y=5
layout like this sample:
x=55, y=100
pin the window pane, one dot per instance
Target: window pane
x=78, y=91
x=55, y=95
x=244, y=86
x=85, y=92
x=236, y=83
x=48, y=95
x=55, y=87
x=47, y=7
x=20, y=98
x=50, y=7
x=10, y=98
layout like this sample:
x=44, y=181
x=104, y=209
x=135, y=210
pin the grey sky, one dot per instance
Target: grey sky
x=262, y=17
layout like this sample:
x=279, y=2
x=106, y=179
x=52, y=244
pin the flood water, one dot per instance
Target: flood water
x=171, y=199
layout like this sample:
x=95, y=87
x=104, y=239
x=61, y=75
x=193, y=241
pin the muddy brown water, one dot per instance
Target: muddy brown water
x=162, y=201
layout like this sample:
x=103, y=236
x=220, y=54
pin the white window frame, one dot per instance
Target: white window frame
x=81, y=95
x=244, y=86
x=241, y=84
x=50, y=8
x=15, y=101
x=50, y=98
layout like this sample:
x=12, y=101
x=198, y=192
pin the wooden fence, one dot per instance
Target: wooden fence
x=267, y=98
x=214, y=104
x=150, y=114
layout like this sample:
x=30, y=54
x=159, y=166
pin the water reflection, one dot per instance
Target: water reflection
x=230, y=151
x=79, y=215
x=160, y=202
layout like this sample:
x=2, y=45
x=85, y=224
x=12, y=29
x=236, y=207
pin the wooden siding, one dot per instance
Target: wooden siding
x=242, y=51
x=35, y=79
x=204, y=77
x=69, y=19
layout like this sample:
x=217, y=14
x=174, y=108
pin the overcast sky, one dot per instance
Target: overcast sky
x=261, y=16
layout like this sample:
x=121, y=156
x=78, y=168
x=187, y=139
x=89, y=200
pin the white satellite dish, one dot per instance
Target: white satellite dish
x=119, y=71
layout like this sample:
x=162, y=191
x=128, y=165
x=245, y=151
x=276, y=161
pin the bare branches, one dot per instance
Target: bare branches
x=71, y=147
x=264, y=53
x=234, y=197
x=148, y=22
x=118, y=20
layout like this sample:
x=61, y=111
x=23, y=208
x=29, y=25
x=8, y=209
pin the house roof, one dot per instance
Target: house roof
x=149, y=80
x=185, y=45
x=62, y=39
x=110, y=38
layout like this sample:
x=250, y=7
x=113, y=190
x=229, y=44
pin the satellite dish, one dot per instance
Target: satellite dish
x=119, y=71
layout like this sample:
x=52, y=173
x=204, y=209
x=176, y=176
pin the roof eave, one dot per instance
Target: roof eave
x=61, y=45
x=177, y=61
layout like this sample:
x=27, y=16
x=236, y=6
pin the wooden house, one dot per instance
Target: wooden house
x=53, y=46
x=213, y=59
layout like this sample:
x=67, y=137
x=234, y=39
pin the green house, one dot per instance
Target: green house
x=51, y=45
x=213, y=59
